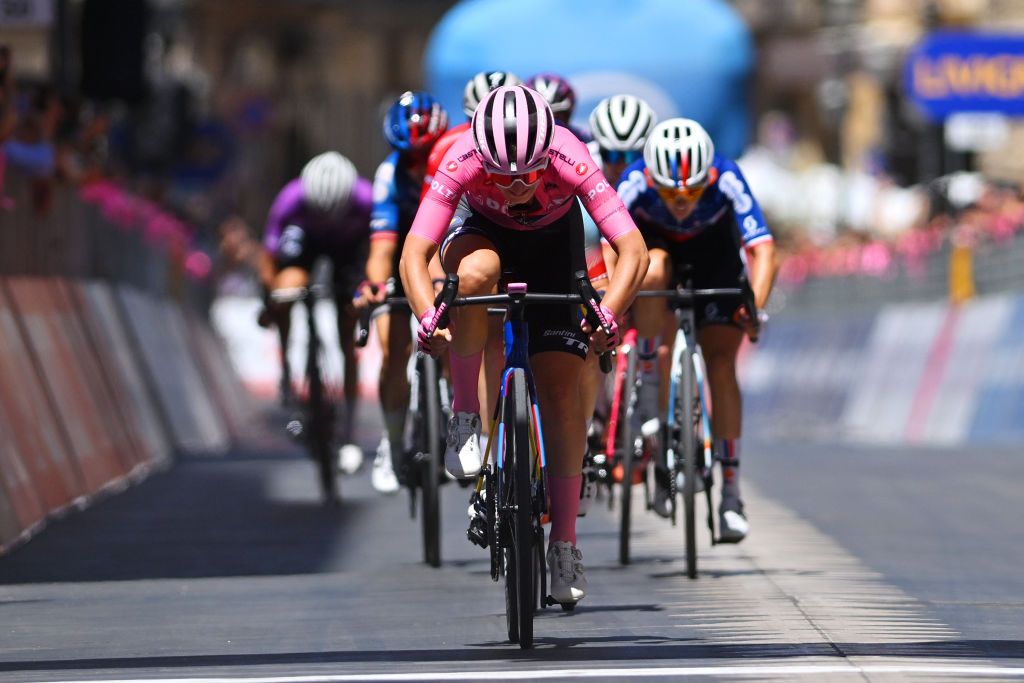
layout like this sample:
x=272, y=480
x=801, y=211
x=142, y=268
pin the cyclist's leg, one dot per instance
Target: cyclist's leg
x=720, y=345
x=281, y=314
x=720, y=337
x=473, y=255
x=650, y=316
x=394, y=384
x=494, y=362
x=558, y=375
x=286, y=268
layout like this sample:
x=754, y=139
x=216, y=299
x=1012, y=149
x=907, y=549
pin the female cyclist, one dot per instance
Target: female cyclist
x=508, y=187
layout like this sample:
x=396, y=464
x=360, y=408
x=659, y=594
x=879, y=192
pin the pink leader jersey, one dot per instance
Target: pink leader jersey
x=571, y=173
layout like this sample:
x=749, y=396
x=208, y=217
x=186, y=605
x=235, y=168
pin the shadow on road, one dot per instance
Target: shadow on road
x=246, y=515
x=650, y=648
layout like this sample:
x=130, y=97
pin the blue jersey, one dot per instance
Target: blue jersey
x=727, y=201
x=396, y=196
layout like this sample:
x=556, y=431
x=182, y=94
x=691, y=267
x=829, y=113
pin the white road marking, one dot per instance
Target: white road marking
x=649, y=672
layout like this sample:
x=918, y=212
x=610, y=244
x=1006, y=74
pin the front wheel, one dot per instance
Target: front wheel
x=627, y=450
x=517, y=463
x=431, y=463
x=687, y=413
x=320, y=421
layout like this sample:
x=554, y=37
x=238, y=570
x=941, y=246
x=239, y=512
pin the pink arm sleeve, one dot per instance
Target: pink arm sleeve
x=605, y=207
x=436, y=208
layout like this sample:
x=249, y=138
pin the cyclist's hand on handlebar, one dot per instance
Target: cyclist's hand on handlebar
x=370, y=294
x=601, y=340
x=430, y=339
x=750, y=326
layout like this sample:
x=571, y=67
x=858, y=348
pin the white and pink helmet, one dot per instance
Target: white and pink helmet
x=512, y=128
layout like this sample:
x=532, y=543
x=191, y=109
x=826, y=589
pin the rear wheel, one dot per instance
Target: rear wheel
x=627, y=450
x=520, y=576
x=430, y=463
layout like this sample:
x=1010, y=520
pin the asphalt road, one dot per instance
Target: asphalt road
x=863, y=564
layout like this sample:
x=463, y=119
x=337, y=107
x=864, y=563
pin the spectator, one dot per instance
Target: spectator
x=31, y=149
x=8, y=115
x=8, y=109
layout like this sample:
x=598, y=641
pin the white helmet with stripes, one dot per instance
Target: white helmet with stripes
x=622, y=123
x=327, y=182
x=483, y=83
x=679, y=153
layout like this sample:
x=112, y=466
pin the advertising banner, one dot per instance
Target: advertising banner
x=950, y=72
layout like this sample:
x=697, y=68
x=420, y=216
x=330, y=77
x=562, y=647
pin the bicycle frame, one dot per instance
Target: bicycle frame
x=686, y=349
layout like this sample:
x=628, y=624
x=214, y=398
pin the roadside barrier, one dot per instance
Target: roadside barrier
x=161, y=335
x=233, y=401
x=933, y=374
x=123, y=369
x=72, y=379
x=32, y=425
x=103, y=375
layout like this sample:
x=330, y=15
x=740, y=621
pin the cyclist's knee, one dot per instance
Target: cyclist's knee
x=659, y=272
x=478, y=273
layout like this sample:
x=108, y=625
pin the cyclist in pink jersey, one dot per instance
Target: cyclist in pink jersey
x=506, y=195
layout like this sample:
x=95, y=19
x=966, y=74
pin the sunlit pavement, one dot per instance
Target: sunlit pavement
x=862, y=565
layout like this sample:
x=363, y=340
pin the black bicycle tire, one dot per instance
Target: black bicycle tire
x=520, y=591
x=430, y=468
x=627, y=451
x=688, y=442
x=320, y=420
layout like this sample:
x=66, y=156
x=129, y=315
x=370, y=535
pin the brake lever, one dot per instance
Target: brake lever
x=591, y=300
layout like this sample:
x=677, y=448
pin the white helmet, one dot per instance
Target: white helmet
x=327, y=182
x=483, y=83
x=622, y=123
x=679, y=153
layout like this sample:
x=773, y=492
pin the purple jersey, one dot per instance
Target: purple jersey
x=334, y=232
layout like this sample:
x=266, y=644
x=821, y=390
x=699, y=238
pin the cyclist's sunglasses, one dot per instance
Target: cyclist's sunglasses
x=615, y=156
x=508, y=179
x=687, y=194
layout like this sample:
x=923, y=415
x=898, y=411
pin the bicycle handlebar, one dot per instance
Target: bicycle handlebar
x=690, y=297
x=366, y=314
x=448, y=297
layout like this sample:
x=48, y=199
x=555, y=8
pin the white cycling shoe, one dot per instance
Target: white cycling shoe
x=350, y=458
x=733, y=524
x=462, y=458
x=565, y=565
x=382, y=476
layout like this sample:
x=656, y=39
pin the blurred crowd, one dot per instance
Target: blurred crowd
x=183, y=163
x=835, y=222
x=158, y=166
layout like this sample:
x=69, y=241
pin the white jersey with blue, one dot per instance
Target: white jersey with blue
x=728, y=197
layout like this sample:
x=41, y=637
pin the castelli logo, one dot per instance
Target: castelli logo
x=581, y=168
x=452, y=165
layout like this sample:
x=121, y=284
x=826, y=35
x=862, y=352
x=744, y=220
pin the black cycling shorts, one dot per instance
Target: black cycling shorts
x=543, y=259
x=299, y=249
x=714, y=259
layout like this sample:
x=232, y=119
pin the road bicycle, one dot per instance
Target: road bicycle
x=318, y=399
x=686, y=443
x=510, y=500
x=423, y=452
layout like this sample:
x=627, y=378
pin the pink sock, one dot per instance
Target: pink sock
x=465, y=380
x=565, y=503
